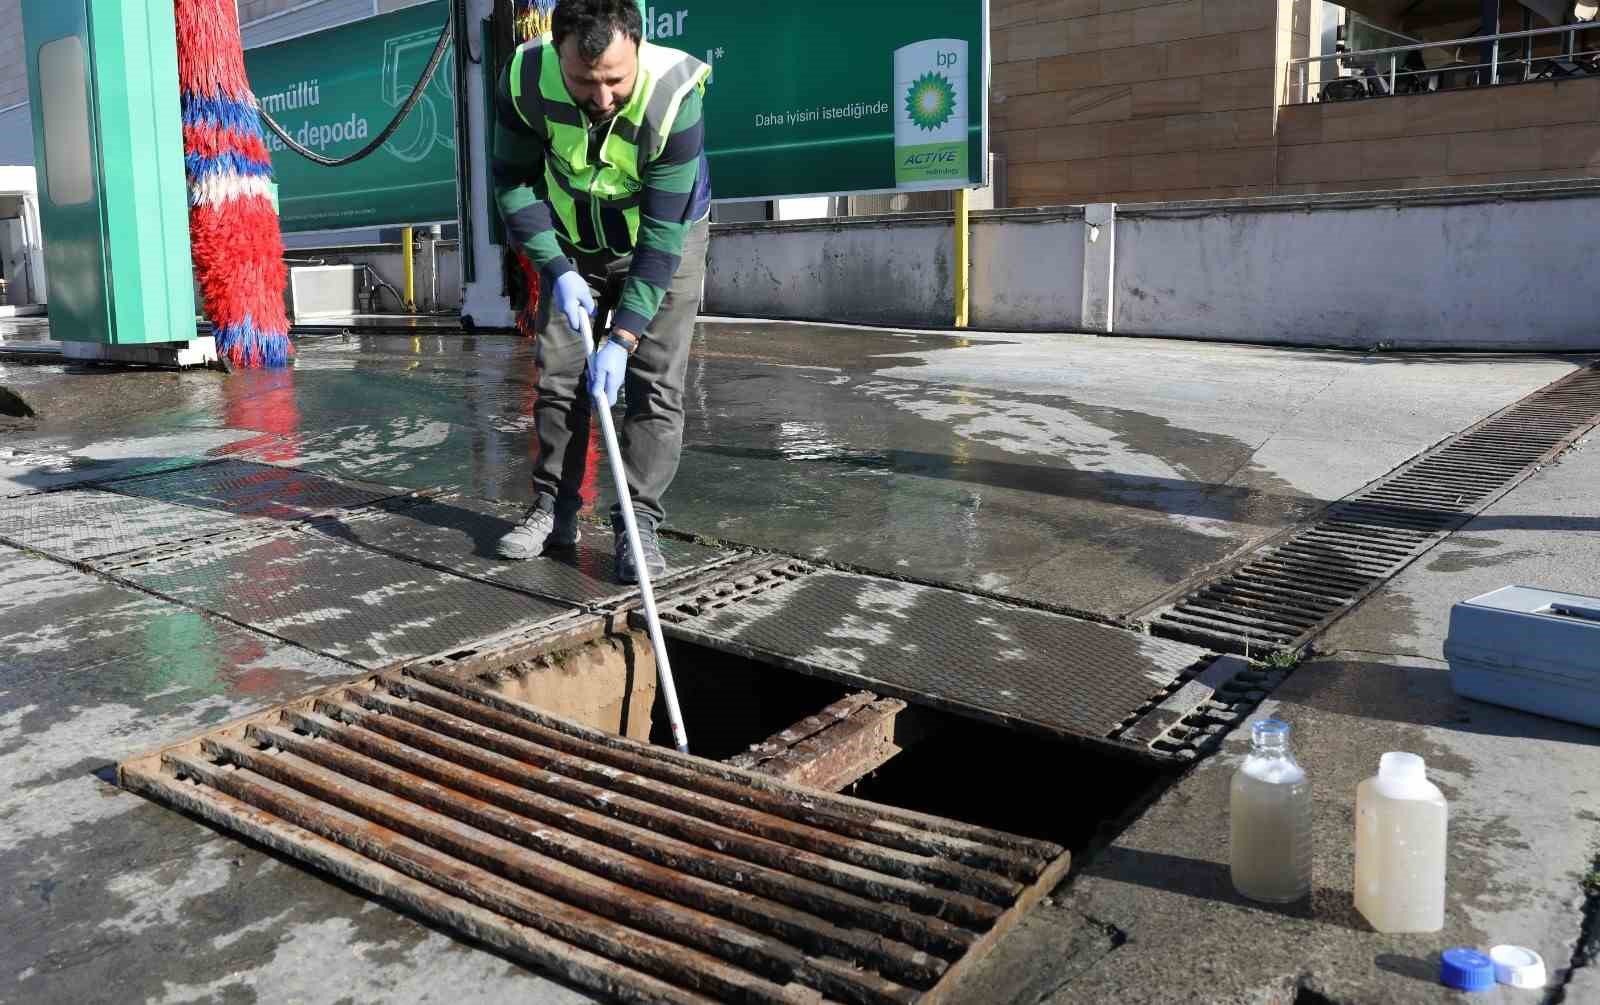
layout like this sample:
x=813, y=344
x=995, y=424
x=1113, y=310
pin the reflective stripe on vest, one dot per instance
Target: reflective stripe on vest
x=576, y=189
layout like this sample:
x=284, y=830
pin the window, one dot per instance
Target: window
x=64, y=97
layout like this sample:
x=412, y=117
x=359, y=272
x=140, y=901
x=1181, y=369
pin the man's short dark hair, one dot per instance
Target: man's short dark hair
x=594, y=23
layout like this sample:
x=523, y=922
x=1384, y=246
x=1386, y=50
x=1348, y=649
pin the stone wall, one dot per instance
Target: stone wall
x=1511, y=133
x=1135, y=100
x=1495, y=267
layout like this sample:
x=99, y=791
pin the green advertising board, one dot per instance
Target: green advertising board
x=333, y=91
x=836, y=96
x=822, y=98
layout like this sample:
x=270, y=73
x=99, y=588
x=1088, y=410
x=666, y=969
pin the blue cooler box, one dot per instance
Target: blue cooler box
x=1530, y=649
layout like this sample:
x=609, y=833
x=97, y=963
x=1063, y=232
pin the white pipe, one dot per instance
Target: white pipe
x=481, y=299
x=619, y=476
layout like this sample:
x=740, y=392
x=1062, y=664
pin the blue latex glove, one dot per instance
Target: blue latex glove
x=607, y=367
x=574, y=299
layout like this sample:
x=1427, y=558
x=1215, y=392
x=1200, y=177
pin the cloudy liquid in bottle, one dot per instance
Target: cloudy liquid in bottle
x=1270, y=819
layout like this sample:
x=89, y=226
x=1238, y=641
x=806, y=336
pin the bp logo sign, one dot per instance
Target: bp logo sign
x=931, y=101
x=931, y=141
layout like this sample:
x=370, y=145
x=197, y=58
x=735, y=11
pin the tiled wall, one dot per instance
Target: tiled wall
x=1519, y=132
x=13, y=71
x=1134, y=100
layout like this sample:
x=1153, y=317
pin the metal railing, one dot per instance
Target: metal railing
x=1509, y=57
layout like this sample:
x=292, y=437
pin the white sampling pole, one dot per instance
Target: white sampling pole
x=619, y=477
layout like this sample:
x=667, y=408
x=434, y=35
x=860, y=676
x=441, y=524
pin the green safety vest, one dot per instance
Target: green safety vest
x=581, y=192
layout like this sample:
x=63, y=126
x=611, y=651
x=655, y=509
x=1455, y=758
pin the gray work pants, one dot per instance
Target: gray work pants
x=652, y=430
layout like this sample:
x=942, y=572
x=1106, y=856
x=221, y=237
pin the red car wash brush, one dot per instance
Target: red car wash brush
x=233, y=228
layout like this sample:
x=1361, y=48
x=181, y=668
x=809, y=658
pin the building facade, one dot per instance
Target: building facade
x=1157, y=100
x=1151, y=101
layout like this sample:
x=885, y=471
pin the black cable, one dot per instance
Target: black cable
x=379, y=282
x=388, y=131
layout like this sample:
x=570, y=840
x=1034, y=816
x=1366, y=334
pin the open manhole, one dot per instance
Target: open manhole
x=515, y=796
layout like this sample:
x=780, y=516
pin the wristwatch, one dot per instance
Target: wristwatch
x=628, y=341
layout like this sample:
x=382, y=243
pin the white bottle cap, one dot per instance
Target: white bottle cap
x=1402, y=767
x=1518, y=967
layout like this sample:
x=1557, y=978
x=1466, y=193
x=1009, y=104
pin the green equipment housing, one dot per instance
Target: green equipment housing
x=113, y=200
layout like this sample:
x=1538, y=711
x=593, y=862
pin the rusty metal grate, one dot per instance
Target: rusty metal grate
x=1284, y=595
x=632, y=870
x=734, y=583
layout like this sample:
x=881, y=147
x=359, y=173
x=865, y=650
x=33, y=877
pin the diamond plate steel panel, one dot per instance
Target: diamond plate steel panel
x=57, y=623
x=339, y=599
x=26, y=472
x=249, y=489
x=953, y=650
x=88, y=523
x=459, y=533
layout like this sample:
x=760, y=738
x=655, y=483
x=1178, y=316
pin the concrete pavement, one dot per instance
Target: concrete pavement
x=1155, y=919
x=1094, y=474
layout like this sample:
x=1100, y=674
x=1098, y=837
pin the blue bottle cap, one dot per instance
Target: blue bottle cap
x=1466, y=970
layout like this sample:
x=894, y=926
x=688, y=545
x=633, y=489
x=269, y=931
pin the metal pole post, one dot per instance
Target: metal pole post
x=1489, y=53
x=1527, y=44
x=482, y=298
x=963, y=266
x=435, y=232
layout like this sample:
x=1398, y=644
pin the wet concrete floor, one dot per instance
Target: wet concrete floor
x=1090, y=474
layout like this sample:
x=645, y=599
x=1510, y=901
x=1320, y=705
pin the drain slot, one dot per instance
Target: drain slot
x=1287, y=593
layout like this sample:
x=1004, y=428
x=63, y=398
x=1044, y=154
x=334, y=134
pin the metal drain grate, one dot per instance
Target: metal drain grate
x=1289, y=592
x=250, y=489
x=458, y=534
x=634, y=871
x=338, y=599
x=83, y=524
x=957, y=652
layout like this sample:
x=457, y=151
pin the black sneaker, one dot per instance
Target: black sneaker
x=654, y=562
x=539, y=529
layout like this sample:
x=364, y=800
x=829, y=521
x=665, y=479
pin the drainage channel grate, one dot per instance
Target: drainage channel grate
x=957, y=652
x=1288, y=593
x=634, y=871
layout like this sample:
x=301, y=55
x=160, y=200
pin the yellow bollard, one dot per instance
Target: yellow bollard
x=406, y=249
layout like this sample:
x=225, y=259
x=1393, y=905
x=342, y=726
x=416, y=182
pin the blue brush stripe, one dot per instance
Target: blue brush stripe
x=201, y=167
x=273, y=347
x=235, y=115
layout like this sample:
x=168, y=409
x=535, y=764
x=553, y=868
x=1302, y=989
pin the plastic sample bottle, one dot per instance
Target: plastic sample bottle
x=1400, y=847
x=1270, y=818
